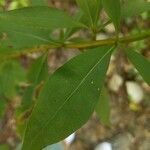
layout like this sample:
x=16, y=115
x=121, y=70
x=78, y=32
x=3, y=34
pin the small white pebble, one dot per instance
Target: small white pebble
x=115, y=82
x=104, y=146
x=110, y=28
x=101, y=36
x=135, y=92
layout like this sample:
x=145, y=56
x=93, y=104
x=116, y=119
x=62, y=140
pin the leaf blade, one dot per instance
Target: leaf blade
x=140, y=63
x=103, y=108
x=72, y=77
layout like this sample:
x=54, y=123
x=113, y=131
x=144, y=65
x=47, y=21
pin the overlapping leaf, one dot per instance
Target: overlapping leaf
x=67, y=99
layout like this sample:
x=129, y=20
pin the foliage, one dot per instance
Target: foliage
x=64, y=101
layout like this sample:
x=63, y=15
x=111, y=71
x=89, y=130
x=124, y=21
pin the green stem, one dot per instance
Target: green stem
x=82, y=45
x=111, y=41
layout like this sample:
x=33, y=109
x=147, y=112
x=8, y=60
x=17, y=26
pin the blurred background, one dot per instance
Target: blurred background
x=125, y=123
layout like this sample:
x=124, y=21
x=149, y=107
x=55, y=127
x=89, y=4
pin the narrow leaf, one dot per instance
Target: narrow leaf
x=67, y=99
x=31, y=26
x=113, y=9
x=141, y=64
x=37, y=73
x=103, y=108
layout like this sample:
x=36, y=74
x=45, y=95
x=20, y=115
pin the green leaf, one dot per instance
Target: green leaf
x=31, y=27
x=68, y=99
x=70, y=31
x=11, y=74
x=38, y=2
x=103, y=108
x=91, y=10
x=4, y=147
x=134, y=7
x=113, y=9
x=37, y=73
x=141, y=64
x=27, y=99
x=38, y=70
x=2, y=107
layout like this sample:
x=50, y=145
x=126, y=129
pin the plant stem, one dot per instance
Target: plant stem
x=81, y=45
x=111, y=41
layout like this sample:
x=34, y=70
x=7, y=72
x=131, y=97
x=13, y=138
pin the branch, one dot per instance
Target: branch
x=111, y=41
x=82, y=45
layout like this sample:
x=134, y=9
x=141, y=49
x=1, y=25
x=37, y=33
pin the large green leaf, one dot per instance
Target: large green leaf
x=91, y=10
x=28, y=27
x=134, y=7
x=103, y=108
x=113, y=9
x=67, y=99
x=141, y=64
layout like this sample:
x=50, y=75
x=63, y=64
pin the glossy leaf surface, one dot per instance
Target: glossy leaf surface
x=67, y=99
